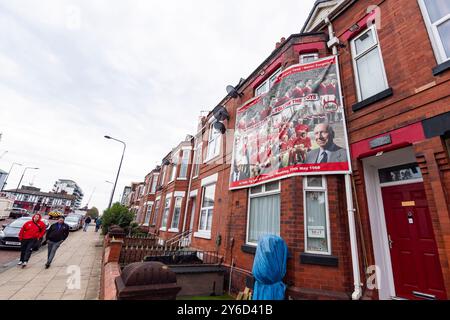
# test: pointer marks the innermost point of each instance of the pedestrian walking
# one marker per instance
(86, 223)
(29, 235)
(57, 233)
(98, 224)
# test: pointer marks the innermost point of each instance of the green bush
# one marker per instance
(117, 215)
(93, 212)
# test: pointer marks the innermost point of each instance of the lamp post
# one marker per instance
(23, 173)
(118, 171)
(9, 172)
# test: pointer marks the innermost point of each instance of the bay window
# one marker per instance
(264, 212)
(436, 14)
(154, 183)
(155, 215)
(184, 163)
(213, 142)
(308, 57)
(267, 84)
(176, 214)
(165, 216)
(148, 213)
(174, 166)
(207, 209)
(317, 230)
(197, 159)
(368, 64)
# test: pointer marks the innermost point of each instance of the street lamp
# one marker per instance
(23, 175)
(9, 172)
(118, 171)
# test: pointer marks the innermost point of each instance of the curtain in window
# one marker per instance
(264, 217)
(370, 73)
(316, 221)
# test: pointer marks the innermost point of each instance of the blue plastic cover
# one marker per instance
(269, 268)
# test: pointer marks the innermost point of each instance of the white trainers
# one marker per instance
(19, 263)
(24, 264)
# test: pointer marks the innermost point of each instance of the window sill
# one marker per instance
(378, 97)
(203, 235)
(440, 68)
(318, 259)
(173, 230)
(163, 229)
(247, 248)
(181, 178)
(212, 158)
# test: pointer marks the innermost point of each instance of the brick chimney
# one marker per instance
(279, 44)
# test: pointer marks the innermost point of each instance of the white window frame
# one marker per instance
(433, 33)
(217, 144)
(188, 153)
(154, 184)
(197, 159)
(323, 188)
(205, 233)
(155, 214)
(148, 213)
(261, 194)
(174, 166)
(163, 177)
(356, 57)
(304, 56)
(164, 217)
(176, 228)
(269, 82)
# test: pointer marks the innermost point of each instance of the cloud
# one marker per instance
(141, 71)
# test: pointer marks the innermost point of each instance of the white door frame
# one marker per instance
(386, 287)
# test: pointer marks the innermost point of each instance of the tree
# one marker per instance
(117, 215)
(93, 212)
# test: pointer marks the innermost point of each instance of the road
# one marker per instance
(7, 255)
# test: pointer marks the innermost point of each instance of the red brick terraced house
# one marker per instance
(136, 194)
(148, 198)
(394, 61)
(169, 189)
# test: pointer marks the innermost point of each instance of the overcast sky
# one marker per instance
(140, 71)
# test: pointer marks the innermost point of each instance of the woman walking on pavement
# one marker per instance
(30, 233)
(86, 223)
(57, 233)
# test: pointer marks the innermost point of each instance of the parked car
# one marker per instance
(9, 236)
(19, 213)
(74, 221)
(55, 214)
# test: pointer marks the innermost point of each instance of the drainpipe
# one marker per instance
(357, 292)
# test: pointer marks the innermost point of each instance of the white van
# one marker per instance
(6, 204)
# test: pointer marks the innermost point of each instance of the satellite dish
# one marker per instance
(165, 162)
(219, 126)
(232, 92)
(220, 113)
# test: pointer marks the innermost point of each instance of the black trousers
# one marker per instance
(26, 249)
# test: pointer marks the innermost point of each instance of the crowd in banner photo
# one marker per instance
(298, 127)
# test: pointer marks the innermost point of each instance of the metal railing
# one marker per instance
(181, 240)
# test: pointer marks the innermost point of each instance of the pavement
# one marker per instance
(73, 275)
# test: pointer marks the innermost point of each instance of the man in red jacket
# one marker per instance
(30, 233)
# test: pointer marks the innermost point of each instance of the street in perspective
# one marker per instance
(225, 151)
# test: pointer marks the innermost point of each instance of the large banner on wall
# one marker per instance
(297, 128)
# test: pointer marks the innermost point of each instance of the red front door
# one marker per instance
(414, 254)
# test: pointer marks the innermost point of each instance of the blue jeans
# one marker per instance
(86, 225)
(52, 247)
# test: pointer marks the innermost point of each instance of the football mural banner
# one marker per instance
(296, 128)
